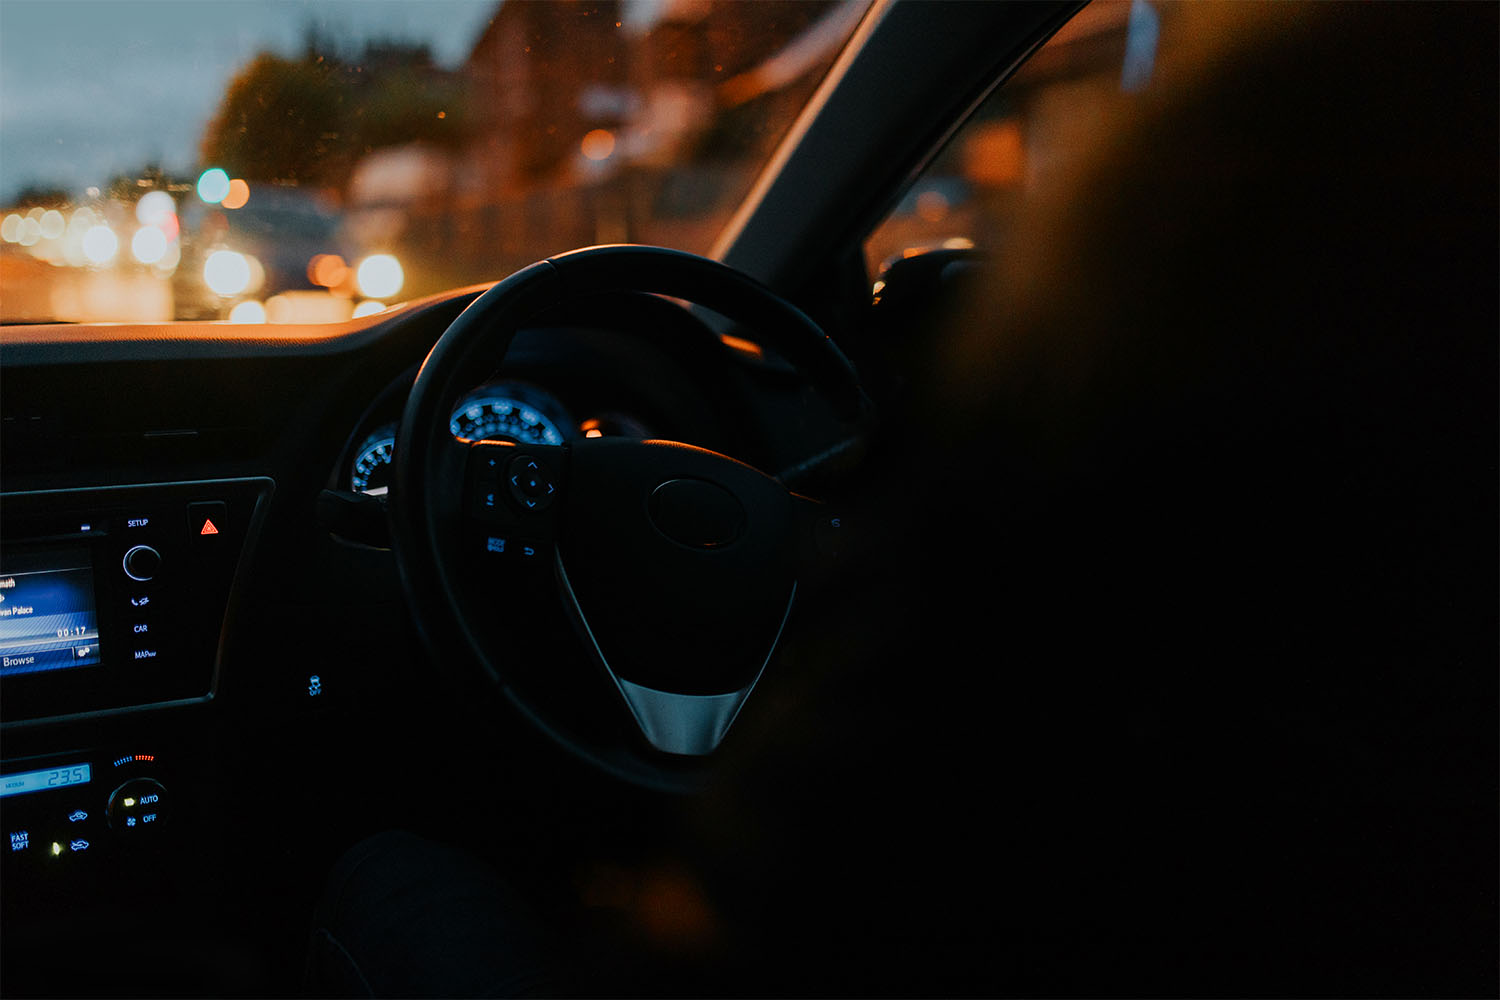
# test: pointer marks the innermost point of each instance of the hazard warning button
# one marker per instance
(207, 518)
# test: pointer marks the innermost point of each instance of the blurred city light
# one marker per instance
(10, 229)
(154, 207)
(368, 307)
(249, 311)
(52, 224)
(306, 306)
(226, 272)
(237, 195)
(932, 205)
(379, 276)
(327, 269)
(213, 185)
(100, 244)
(148, 245)
(599, 144)
(170, 258)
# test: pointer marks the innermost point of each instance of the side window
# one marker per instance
(969, 194)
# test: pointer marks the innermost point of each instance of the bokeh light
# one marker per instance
(379, 276)
(154, 207)
(237, 195)
(249, 311)
(368, 307)
(327, 270)
(10, 229)
(52, 224)
(148, 245)
(100, 244)
(599, 144)
(171, 258)
(213, 185)
(226, 272)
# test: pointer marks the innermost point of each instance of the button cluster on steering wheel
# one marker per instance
(511, 494)
(531, 483)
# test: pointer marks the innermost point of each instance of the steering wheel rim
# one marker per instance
(428, 515)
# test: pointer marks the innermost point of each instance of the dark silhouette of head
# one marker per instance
(1173, 655)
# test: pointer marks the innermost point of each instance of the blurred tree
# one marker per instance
(131, 185)
(37, 196)
(308, 120)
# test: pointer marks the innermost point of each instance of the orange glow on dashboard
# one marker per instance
(742, 345)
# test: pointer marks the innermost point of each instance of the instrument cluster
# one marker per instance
(505, 410)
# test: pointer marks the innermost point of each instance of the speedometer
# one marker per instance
(488, 414)
(507, 411)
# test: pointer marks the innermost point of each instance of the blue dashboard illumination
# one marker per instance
(41, 781)
(507, 411)
(47, 615)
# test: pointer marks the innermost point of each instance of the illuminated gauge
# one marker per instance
(372, 462)
(512, 412)
(502, 411)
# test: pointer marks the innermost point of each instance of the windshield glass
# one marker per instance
(307, 162)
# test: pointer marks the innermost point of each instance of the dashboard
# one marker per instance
(196, 648)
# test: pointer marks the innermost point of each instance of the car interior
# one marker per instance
(1109, 609)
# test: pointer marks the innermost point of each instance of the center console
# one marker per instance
(113, 599)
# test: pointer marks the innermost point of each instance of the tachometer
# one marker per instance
(509, 411)
(372, 462)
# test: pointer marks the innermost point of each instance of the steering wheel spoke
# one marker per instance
(511, 500)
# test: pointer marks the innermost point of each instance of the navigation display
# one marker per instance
(47, 616)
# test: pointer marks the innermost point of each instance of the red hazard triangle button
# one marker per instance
(207, 518)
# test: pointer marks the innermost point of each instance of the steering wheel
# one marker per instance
(677, 566)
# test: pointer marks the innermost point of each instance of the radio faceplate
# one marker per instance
(115, 598)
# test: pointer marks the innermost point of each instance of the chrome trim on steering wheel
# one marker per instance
(691, 725)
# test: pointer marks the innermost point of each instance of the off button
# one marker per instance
(207, 518)
(138, 806)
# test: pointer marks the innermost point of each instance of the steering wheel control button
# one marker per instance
(513, 549)
(137, 807)
(208, 519)
(697, 513)
(141, 563)
(532, 484)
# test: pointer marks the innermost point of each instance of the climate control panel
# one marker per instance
(59, 811)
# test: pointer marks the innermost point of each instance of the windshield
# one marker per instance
(309, 162)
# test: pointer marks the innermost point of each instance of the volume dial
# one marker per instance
(142, 562)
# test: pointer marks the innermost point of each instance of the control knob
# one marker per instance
(138, 806)
(142, 562)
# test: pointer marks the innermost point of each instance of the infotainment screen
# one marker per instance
(48, 620)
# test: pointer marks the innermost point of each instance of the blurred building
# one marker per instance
(587, 126)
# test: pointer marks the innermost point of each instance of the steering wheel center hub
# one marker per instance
(697, 513)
